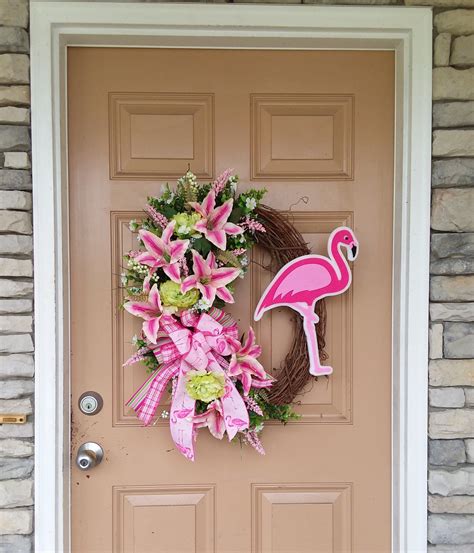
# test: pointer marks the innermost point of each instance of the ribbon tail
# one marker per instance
(262, 383)
(236, 416)
(181, 417)
(146, 399)
(234, 411)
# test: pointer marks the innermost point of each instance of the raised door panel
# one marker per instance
(126, 378)
(154, 135)
(324, 400)
(302, 136)
(155, 519)
(302, 518)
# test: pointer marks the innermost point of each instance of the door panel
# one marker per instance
(151, 134)
(316, 129)
(154, 519)
(282, 514)
(302, 136)
(326, 399)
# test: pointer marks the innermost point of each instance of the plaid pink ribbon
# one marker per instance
(180, 349)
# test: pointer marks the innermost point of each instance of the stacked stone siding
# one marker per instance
(451, 371)
(16, 286)
(451, 366)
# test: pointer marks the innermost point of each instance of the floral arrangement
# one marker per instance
(194, 245)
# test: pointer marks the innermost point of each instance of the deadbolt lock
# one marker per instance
(90, 403)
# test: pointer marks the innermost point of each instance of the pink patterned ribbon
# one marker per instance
(180, 349)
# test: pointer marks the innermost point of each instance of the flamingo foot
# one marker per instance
(322, 370)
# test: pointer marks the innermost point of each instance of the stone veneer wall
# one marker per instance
(16, 284)
(451, 370)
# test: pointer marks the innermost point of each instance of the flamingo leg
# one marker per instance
(309, 320)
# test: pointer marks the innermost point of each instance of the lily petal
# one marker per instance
(154, 298)
(150, 329)
(233, 343)
(246, 380)
(255, 351)
(216, 425)
(213, 419)
(197, 207)
(250, 365)
(189, 283)
(208, 292)
(233, 369)
(140, 309)
(224, 294)
(148, 259)
(249, 341)
(230, 228)
(223, 276)
(154, 244)
(200, 267)
(168, 231)
(220, 215)
(177, 249)
(216, 237)
(173, 272)
(209, 202)
(211, 260)
(201, 226)
(146, 282)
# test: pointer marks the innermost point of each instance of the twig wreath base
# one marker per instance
(284, 242)
(193, 245)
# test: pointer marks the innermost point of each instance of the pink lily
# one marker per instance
(163, 252)
(210, 280)
(151, 311)
(213, 223)
(212, 418)
(244, 365)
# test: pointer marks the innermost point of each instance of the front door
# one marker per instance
(316, 129)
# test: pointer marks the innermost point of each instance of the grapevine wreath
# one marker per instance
(194, 245)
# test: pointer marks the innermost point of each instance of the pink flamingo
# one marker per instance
(307, 279)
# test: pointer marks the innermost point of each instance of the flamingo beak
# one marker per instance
(353, 251)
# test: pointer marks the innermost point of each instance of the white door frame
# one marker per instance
(407, 31)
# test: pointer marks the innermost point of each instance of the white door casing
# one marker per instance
(407, 31)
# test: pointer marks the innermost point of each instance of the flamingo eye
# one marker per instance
(346, 238)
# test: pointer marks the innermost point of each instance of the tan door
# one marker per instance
(316, 129)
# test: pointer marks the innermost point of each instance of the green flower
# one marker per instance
(205, 386)
(185, 223)
(171, 295)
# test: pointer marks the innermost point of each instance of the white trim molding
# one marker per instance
(407, 31)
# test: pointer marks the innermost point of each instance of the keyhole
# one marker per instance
(84, 463)
(90, 403)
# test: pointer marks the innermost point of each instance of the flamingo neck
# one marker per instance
(340, 263)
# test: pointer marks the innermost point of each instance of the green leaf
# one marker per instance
(168, 211)
(236, 215)
(203, 246)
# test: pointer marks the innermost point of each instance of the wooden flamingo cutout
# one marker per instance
(307, 279)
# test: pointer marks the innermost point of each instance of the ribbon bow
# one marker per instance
(179, 350)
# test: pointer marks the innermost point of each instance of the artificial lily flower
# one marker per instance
(213, 223)
(244, 364)
(212, 418)
(210, 280)
(151, 311)
(163, 252)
